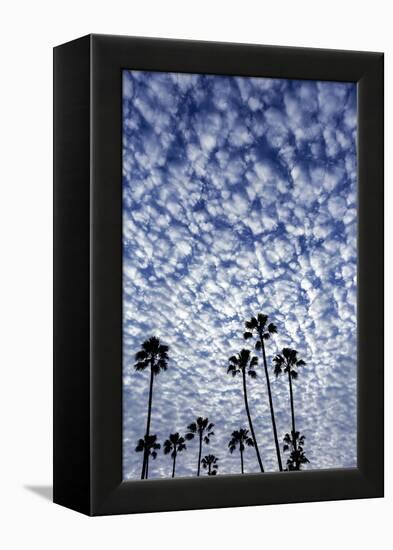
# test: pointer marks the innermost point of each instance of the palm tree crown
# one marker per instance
(209, 462)
(174, 444)
(149, 446)
(240, 438)
(295, 444)
(148, 443)
(259, 325)
(153, 354)
(243, 362)
(287, 361)
(201, 426)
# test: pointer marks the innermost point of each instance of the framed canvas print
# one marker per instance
(218, 275)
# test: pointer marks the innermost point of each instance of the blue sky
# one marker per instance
(239, 197)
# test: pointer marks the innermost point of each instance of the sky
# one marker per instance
(239, 198)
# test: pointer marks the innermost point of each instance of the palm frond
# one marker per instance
(272, 328)
(192, 427)
(141, 365)
(252, 323)
(141, 355)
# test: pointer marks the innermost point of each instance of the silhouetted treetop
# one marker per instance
(209, 462)
(259, 326)
(240, 438)
(287, 361)
(149, 445)
(153, 354)
(175, 443)
(243, 362)
(201, 426)
(295, 444)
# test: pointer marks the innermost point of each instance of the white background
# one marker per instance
(28, 31)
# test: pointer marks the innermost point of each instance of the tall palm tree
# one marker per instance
(149, 446)
(240, 438)
(258, 326)
(210, 462)
(288, 362)
(153, 355)
(240, 364)
(204, 430)
(174, 445)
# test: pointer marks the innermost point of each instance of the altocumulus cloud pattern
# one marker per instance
(239, 197)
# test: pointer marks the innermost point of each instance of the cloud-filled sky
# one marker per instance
(239, 197)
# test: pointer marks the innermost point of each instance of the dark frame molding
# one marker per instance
(88, 275)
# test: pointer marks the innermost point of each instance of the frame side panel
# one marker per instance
(71, 317)
(371, 277)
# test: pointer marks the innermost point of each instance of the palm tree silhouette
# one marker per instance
(204, 430)
(239, 364)
(288, 361)
(154, 355)
(297, 456)
(174, 445)
(258, 326)
(149, 446)
(210, 462)
(241, 438)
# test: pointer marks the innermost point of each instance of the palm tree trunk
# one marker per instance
(174, 463)
(210, 469)
(241, 461)
(249, 420)
(146, 453)
(200, 454)
(271, 405)
(293, 415)
(147, 469)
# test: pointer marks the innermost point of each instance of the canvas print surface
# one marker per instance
(239, 275)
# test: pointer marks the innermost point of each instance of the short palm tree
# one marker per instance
(257, 326)
(149, 446)
(209, 462)
(288, 362)
(297, 456)
(240, 364)
(204, 430)
(153, 355)
(240, 438)
(174, 445)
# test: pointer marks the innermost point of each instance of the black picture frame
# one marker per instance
(88, 275)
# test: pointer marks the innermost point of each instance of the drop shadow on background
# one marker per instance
(44, 491)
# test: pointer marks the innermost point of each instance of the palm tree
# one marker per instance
(154, 355)
(288, 361)
(258, 326)
(239, 364)
(210, 462)
(149, 446)
(297, 456)
(174, 445)
(241, 438)
(204, 430)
